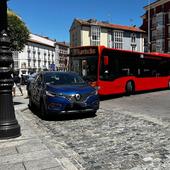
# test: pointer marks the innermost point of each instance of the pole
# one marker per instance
(149, 26)
(9, 127)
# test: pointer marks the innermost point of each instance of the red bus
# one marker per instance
(117, 71)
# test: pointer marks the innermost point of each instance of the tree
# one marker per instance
(17, 31)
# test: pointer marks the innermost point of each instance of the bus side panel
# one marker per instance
(116, 86)
(150, 83)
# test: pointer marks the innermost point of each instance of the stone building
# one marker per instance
(62, 54)
(156, 22)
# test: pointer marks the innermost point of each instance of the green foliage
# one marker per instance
(17, 31)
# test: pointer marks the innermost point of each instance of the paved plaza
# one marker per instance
(117, 138)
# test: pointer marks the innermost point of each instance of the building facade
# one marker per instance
(156, 22)
(63, 51)
(40, 53)
(92, 32)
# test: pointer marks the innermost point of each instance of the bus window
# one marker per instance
(85, 66)
(109, 67)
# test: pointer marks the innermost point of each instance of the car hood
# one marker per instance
(67, 89)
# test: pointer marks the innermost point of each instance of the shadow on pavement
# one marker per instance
(63, 117)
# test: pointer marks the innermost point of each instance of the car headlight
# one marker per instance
(52, 94)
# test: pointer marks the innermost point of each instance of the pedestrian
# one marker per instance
(17, 83)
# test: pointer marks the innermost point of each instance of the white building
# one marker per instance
(40, 53)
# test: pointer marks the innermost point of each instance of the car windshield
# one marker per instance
(64, 79)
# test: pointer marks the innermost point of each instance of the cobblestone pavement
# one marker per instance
(112, 140)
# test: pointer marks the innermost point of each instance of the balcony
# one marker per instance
(169, 50)
(160, 36)
(169, 35)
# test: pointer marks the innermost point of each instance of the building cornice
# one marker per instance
(108, 25)
(155, 4)
(40, 43)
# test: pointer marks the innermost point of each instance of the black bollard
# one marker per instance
(9, 127)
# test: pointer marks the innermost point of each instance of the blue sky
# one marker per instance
(53, 18)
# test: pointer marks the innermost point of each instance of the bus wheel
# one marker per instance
(169, 84)
(130, 88)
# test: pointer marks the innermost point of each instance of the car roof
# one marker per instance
(57, 72)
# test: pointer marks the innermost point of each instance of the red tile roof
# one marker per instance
(109, 25)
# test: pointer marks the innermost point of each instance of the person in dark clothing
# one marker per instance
(17, 83)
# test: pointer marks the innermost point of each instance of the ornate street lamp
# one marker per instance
(9, 127)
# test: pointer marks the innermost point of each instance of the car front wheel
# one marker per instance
(43, 111)
(31, 105)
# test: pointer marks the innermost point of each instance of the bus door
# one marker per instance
(110, 80)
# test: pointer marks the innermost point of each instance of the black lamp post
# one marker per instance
(9, 127)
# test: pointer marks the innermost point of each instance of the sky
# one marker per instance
(53, 18)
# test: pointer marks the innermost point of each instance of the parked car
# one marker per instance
(62, 92)
(24, 79)
(29, 80)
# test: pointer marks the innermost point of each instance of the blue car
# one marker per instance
(62, 92)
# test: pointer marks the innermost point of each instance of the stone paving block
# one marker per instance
(31, 146)
(18, 158)
(45, 163)
(7, 151)
(18, 166)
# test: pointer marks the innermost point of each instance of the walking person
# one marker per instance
(17, 83)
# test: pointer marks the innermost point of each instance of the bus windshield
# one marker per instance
(86, 66)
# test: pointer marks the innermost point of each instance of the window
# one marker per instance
(39, 63)
(169, 46)
(85, 66)
(133, 38)
(109, 39)
(160, 19)
(153, 22)
(34, 65)
(118, 39)
(133, 47)
(154, 34)
(160, 45)
(29, 63)
(95, 35)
